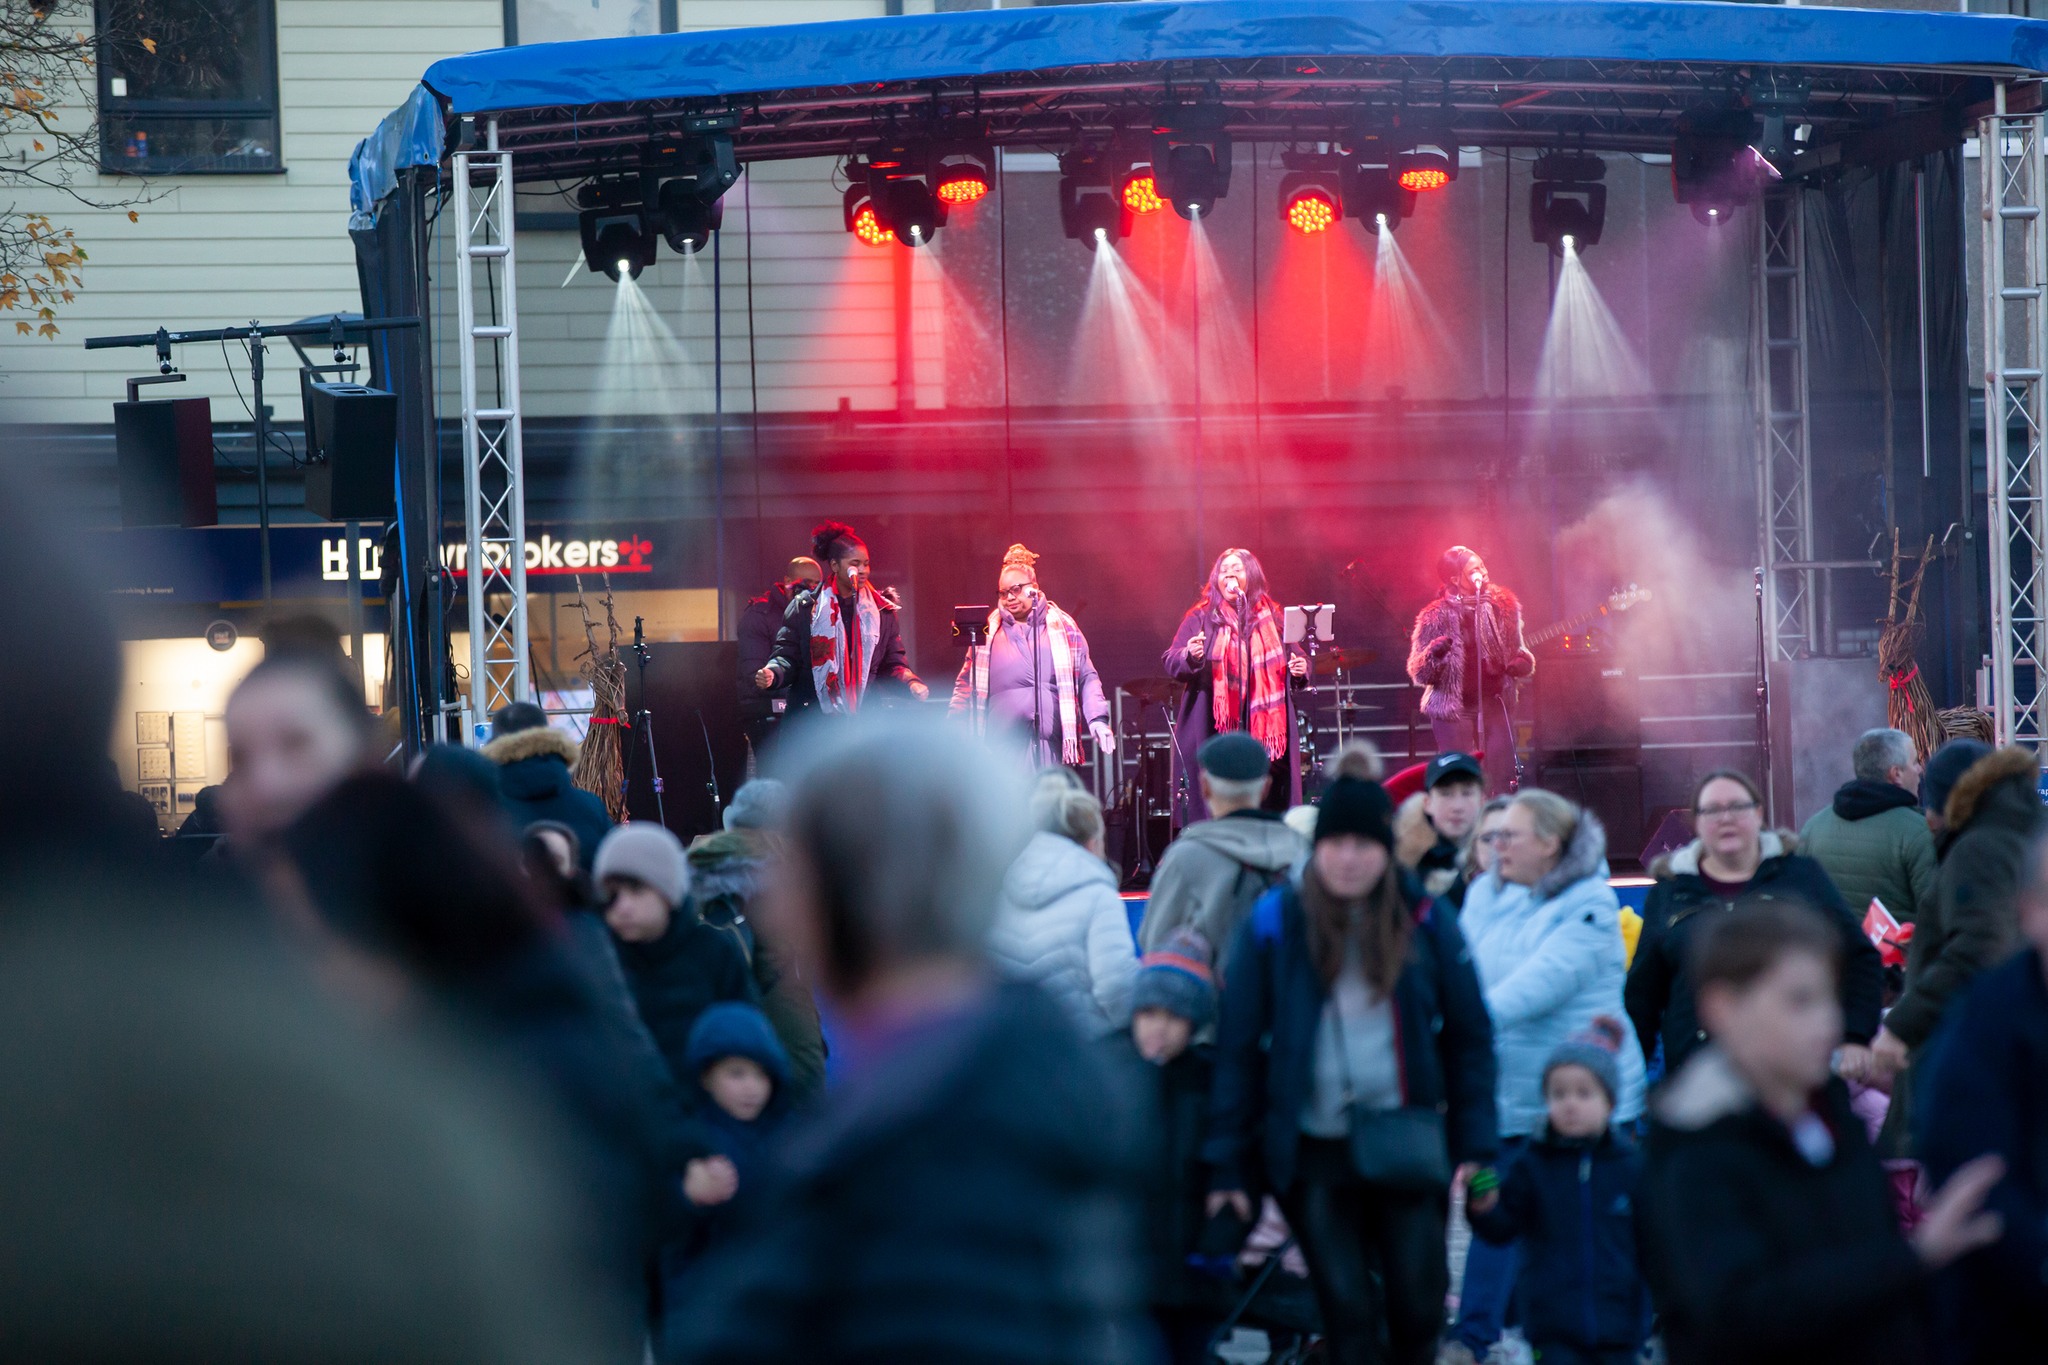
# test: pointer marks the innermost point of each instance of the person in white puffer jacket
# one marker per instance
(1060, 923)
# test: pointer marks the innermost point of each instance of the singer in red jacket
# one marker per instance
(1230, 650)
(1466, 645)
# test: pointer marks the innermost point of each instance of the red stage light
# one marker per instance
(963, 185)
(869, 228)
(1425, 178)
(1311, 211)
(1141, 194)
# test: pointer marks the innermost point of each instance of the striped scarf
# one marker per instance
(837, 694)
(1064, 636)
(1268, 682)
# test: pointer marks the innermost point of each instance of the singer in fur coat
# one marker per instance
(1440, 657)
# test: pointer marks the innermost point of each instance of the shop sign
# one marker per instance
(222, 635)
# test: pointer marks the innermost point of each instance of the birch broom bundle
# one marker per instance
(1908, 705)
(601, 767)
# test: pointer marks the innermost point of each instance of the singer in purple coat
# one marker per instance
(1240, 675)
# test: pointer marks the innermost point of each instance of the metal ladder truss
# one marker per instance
(493, 481)
(1785, 455)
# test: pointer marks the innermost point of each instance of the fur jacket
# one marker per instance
(1436, 649)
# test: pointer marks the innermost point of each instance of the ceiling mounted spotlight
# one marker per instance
(1311, 201)
(1140, 191)
(899, 186)
(911, 210)
(1374, 197)
(861, 219)
(1098, 187)
(1191, 157)
(1715, 170)
(963, 177)
(613, 225)
(1567, 202)
(682, 181)
(1426, 166)
(687, 221)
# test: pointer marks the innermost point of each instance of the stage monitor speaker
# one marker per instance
(1609, 783)
(164, 451)
(1819, 709)
(1587, 701)
(351, 446)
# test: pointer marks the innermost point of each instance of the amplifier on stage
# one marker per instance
(1587, 701)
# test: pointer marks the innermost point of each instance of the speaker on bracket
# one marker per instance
(351, 446)
(164, 451)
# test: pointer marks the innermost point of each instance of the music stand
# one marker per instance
(970, 623)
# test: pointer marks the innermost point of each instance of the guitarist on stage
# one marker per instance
(1466, 645)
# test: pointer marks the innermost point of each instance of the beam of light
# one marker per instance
(1585, 354)
(1115, 359)
(1406, 343)
(1225, 349)
(638, 443)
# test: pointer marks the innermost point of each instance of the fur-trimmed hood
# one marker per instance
(1413, 834)
(544, 740)
(1972, 791)
(1585, 855)
(724, 864)
(1685, 862)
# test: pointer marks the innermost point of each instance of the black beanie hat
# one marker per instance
(1354, 805)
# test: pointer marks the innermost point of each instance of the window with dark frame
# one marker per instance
(567, 21)
(188, 87)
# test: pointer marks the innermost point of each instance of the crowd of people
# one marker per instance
(440, 1065)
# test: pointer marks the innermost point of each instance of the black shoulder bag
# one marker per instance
(1401, 1149)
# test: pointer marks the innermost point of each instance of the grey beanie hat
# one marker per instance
(1595, 1051)
(647, 853)
(758, 804)
(1177, 977)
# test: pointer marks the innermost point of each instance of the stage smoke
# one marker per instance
(1225, 346)
(1406, 342)
(1699, 616)
(1116, 350)
(647, 379)
(1585, 355)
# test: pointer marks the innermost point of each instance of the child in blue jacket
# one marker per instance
(1569, 1198)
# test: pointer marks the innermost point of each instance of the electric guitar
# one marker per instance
(1620, 600)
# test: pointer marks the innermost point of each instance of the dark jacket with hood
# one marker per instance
(533, 775)
(1993, 813)
(1660, 987)
(1178, 1188)
(724, 876)
(1571, 1204)
(1273, 1005)
(1986, 1091)
(760, 621)
(970, 1195)
(889, 663)
(677, 976)
(1210, 876)
(1754, 1253)
(1873, 841)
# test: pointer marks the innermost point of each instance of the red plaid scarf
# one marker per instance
(1268, 681)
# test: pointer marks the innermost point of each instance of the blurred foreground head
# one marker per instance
(900, 828)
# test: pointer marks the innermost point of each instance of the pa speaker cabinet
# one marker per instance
(1587, 701)
(164, 451)
(352, 439)
(1819, 708)
(1608, 782)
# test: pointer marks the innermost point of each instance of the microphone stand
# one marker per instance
(643, 726)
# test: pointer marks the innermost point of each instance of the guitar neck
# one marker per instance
(1565, 627)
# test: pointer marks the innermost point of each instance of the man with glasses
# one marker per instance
(1034, 675)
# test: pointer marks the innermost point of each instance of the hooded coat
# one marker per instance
(1441, 670)
(534, 778)
(1550, 959)
(1756, 1254)
(1210, 876)
(1061, 925)
(725, 875)
(1874, 843)
(1993, 814)
(970, 1195)
(1659, 993)
(678, 976)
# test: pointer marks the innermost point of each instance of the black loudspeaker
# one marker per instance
(696, 729)
(1587, 701)
(351, 443)
(1609, 783)
(165, 454)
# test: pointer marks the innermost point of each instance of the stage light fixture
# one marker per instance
(1140, 191)
(1095, 195)
(1425, 166)
(1714, 168)
(1374, 197)
(1567, 202)
(687, 221)
(1191, 157)
(861, 219)
(962, 178)
(1310, 202)
(613, 225)
(911, 210)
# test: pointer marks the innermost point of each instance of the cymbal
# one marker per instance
(1335, 660)
(1350, 706)
(1164, 691)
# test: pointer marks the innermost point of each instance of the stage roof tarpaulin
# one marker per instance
(1612, 74)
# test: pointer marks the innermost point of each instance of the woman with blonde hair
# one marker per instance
(1034, 674)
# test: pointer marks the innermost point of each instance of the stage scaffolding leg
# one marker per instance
(2013, 166)
(493, 479)
(1785, 455)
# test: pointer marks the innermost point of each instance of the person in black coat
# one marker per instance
(1985, 1091)
(1736, 862)
(1320, 1020)
(970, 1189)
(533, 761)
(1768, 1231)
(677, 965)
(839, 638)
(1569, 1199)
(761, 709)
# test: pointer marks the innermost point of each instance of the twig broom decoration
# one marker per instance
(601, 767)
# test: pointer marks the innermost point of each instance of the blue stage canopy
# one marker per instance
(1601, 74)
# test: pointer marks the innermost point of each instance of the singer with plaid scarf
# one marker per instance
(1240, 675)
(1034, 675)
